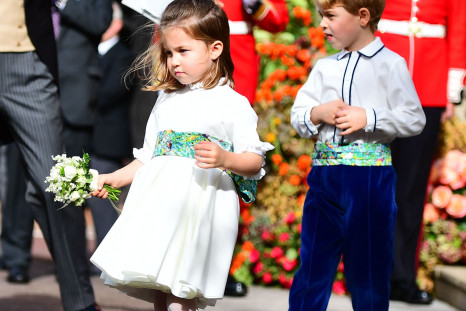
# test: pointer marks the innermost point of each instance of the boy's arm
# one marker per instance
(305, 101)
(404, 117)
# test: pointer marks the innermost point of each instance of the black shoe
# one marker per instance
(18, 275)
(410, 294)
(234, 288)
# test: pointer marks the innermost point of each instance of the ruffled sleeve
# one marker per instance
(145, 153)
(243, 132)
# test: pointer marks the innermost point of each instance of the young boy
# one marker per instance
(356, 102)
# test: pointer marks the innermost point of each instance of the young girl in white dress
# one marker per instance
(173, 243)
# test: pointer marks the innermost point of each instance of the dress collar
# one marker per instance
(369, 50)
(200, 85)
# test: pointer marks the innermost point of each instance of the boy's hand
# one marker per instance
(209, 155)
(327, 112)
(350, 119)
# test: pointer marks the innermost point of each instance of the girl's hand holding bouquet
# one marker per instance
(72, 181)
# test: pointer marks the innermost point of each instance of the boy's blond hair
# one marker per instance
(375, 8)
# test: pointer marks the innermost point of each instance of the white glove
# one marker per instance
(455, 84)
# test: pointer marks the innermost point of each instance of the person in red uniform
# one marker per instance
(431, 36)
(270, 15)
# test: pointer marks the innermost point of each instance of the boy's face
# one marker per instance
(342, 29)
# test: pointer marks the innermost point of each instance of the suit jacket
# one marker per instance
(82, 24)
(40, 30)
(111, 137)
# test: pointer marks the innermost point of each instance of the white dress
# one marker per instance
(179, 223)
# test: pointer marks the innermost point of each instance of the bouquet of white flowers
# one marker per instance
(72, 181)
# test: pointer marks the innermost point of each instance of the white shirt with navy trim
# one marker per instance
(374, 78)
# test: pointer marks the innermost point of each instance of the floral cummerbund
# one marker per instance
(182, 144)
(354, 154)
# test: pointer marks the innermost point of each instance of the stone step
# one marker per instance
(450, 285)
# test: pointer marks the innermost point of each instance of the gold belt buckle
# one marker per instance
(414, 28)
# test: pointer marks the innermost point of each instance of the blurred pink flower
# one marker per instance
(431, 214)
(339, 288)
(267, 278)
(276, 252)
(457, 206)
(441, 196)
(283, 237)
(289, 265)
(258, 268)
(254, 256)
(290, 218)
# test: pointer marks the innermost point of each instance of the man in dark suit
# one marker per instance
(111, 138)
(30, 115)
(82, 23)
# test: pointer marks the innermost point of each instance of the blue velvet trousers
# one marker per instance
(349, 211)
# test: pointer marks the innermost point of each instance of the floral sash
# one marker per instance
(182, 144)
(355, 154)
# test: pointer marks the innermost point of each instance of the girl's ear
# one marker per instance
(364, 16)
(216, 49)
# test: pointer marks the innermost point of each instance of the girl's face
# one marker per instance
(188, 60)
(342, 29)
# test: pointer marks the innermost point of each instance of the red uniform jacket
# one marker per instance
(271, 16)
(434, 61)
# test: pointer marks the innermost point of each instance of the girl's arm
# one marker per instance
(210, 155)
(120, 178)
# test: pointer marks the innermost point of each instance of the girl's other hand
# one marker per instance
(209, 155)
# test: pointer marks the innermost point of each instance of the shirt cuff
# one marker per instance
(311, 127)
(371, 118)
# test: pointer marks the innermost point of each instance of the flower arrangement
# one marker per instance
(444, 217)
(268, 247)
(72, 181)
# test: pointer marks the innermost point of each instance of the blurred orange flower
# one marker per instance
(277, 159)
(283, 169)
(295, 180)
(304, 162)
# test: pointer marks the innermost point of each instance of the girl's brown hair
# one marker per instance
(375, 8)
(200, 19)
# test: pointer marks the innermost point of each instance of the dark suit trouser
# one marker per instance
(412, 159)
(17, 220)
(349, 211)
(29, 99)
(103, 213)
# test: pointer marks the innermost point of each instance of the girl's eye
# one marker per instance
(183, 50)
(168, 53)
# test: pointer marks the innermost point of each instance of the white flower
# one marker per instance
(70, 172)
(95, 176)
(54, 173)
(81, 181)
(75, 196)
